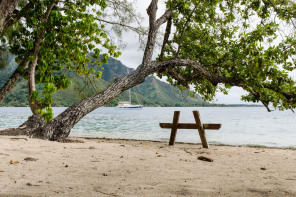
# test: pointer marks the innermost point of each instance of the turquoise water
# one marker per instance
(240, 126)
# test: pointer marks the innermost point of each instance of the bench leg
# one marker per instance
(200, 129)
(174, 128)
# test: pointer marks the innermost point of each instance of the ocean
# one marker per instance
(240, 125)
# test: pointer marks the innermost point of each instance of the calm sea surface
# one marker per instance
(240, 126)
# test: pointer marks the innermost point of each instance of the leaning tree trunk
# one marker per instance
(6, 10)
(59, 128)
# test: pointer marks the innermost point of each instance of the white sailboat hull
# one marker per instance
(126, 106)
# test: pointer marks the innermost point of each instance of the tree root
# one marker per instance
(15, 131)
(26, 128)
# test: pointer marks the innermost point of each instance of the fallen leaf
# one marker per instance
(13, 162)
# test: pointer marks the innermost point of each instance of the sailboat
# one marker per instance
(128, 104)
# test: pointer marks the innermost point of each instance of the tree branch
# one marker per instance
(123, 25)
(153, 28)
(183, 30)
(166, 37)
(164, 18)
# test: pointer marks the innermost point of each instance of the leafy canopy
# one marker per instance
(251, 43)
(71, 34)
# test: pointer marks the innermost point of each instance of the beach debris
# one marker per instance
(121, 156)
(4, 154)
(19, 138)
(156, 153)
(104, 174)
(203, 158)
(122, 145)
(263, 168)
(263, 151)
(30, 184)
(13, 162)
(71, 141)
(186, 151)
(30, 159)
(92, 147)
(66, 166)
(2, 171)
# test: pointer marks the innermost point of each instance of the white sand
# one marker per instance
(100, 167)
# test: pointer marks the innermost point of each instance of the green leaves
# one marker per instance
(238, 40)
(71, 35)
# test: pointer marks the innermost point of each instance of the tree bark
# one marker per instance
(34, 104)
(6, 10)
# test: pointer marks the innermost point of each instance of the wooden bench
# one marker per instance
(197, 125)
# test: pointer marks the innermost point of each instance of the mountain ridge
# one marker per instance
(152, 92)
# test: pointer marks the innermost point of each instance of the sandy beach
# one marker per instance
(102, 167)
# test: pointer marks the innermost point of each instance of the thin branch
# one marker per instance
(183, 30)
(139, 31)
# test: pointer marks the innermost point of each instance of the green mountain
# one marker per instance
(152, 92)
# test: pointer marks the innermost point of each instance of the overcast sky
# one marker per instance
(132, 55)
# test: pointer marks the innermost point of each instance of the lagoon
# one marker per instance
(240, 125)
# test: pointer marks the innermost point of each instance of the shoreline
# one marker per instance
(218, 144)
(109, 167)
(191, 143)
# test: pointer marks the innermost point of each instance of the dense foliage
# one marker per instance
(69, 34)
(250, 44)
